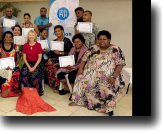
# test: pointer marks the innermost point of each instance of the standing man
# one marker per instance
(90, 38)
(42, 21)
(8, 16)
(79, 11)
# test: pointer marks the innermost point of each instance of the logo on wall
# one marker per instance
(63, 13)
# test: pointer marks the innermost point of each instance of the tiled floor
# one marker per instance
(60, 103)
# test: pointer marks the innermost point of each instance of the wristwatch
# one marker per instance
(113, 77)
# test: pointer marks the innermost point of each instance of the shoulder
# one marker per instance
(38, 44)
(95, 25)
(37, 18)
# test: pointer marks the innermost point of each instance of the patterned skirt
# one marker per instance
(33, 79)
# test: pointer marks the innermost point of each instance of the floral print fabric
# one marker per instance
(92, 88)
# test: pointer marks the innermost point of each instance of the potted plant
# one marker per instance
(14, 9)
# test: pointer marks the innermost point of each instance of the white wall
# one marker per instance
(112, 15)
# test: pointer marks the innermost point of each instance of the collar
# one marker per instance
(45, 17)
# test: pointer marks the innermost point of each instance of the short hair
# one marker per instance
(17, 26)
(41, 30)
(59, 26)
(78, 36)
(88, 11)
(79, 8)
(32, 31)
(43, 8)
(9, 8)
(104, 32)
(27, 15)
(7, 32)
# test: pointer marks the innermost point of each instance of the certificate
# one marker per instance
(44, 44)
(8, 23)
(70, 23)
(5, 62)
(85, 27)
(64, 61)
(57, 45)
(19, 40)
(26, 30)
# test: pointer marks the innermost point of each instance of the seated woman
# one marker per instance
(78, 51)
(9, 86)
(43, 36)
(53, 62)
(32, 72)
(28, 24)
(99, 80)
(17, 31)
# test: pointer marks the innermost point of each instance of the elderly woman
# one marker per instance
(53, 62)
(98, 80)
(9, 85)
(78, 51)
(32, 72)
(28, 24)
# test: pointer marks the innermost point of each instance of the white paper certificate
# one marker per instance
(85, 27)
(19, 40)
(57, 45)
(64, 61)
(44, 44)
(8, 22)
(5, 62)
(26, 30)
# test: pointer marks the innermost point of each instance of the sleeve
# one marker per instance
(17, 22)
(96, 31)
(48, 49)
(24, 49)
(67, 46)
(119, 56)
(40, 51)
(36, 22)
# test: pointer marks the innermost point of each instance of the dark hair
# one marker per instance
(19, 28)
(79, 8)
(43, 8)
(79, 36)
(59, 26)
(7, 32)
(104, 32)
(88, 11)
(41, 30)
(27, 15)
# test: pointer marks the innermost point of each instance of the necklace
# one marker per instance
(31, 47)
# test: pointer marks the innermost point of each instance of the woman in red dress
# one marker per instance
(8, 49)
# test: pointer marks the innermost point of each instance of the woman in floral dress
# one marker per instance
(8, 49)
(99, 80)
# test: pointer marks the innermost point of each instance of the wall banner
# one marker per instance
(62, 13)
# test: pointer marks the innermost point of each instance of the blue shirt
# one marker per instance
(7, 28)
(39, 21)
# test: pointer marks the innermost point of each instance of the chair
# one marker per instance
(69, 85)
(127, 74)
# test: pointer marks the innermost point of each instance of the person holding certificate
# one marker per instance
(17, 31)
(8, 21)
(78, 51)
(32, 72)
(28, 24)
(99, 78)
(8, 49)
(89, 36)
(53, 62)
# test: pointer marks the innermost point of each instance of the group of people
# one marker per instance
(96, 78)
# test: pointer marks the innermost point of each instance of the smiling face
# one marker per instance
(104, 42)
(17, 31)
(26, 19)
(59, 32)
(78, 43)
(44, 34)
(8, 38)
(31, 37)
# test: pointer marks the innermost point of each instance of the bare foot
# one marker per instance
(56, 91)
(72, 104)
